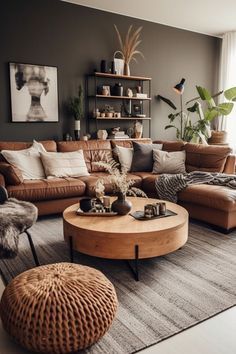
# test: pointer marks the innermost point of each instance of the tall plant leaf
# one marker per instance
(230, 94)
(225, 108)
(204, 93)
(166, 100)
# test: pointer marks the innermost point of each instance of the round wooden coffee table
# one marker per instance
(123, 237)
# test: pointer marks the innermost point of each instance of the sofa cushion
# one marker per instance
(47, 189)
(168, 162)
(129, 143)
(125, 156)
(64, 164)
(143, 156)
(49, 145)
(91, 180)
(94, 151)
(27, 160)
(215, 197)
(201, 157)
(12, 174)
(148, 184)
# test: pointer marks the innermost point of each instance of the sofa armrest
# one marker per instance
(2, 180)
(230, 164)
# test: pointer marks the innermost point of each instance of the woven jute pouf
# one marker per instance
(58, 308)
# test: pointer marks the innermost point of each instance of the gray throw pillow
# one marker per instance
(169, 162)
(143, 157)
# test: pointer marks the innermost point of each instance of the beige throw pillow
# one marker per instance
(125, 156)
(27, 161)
(169, 162)
(64, 164)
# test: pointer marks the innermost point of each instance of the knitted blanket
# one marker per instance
(167, 186)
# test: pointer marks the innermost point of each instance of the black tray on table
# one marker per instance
(139, 215)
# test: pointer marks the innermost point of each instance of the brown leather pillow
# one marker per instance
(143, 157)
(11, 174)
(209, 158)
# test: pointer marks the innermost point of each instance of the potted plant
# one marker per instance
(205, 108)
(122, 186)
(76, 106)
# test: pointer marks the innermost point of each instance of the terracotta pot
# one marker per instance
(218, 137)
(121, 205)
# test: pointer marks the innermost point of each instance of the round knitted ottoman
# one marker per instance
(58, 308)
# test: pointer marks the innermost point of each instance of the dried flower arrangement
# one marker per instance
(118, 178)
(128, 47)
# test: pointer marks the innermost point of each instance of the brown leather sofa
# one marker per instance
(213, 204)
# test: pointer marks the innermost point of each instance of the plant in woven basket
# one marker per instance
(128, 46)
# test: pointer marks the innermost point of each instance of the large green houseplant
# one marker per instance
(206, 109)
(76, 106)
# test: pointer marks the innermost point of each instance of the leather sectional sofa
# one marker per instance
(213, 204)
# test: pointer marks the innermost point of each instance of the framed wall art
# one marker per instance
(34, 96)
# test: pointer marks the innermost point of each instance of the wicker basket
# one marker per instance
(58, 308)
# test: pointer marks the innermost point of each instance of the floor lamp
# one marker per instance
(179, 88)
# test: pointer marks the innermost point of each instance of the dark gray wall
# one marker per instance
(76, 38)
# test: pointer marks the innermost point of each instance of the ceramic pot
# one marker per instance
(121, 205)
(126, 69)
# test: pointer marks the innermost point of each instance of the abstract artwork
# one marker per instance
(34, 96)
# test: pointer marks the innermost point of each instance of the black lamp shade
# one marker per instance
(179, 88)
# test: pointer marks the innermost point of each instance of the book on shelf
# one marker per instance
(141, 95)
(112, 136)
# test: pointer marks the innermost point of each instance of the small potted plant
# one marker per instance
(109, 111)
(76, 106)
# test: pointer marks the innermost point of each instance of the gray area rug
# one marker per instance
(175, 292)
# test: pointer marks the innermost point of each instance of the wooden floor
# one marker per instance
(214, 336)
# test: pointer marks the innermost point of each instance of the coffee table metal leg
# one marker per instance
(135, 269)
(71, 249)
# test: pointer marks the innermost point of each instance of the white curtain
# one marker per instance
(227, 79)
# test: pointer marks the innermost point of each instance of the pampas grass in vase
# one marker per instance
(128, 47)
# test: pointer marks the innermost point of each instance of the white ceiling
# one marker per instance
(212, 17)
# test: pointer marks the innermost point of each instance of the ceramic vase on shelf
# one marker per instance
(126, 69)
(77, 129)
(121, 205)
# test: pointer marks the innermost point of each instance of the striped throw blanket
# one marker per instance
(167, 186)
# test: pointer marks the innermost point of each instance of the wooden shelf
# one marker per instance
(122, 97)
(124, 77)
(123, 118)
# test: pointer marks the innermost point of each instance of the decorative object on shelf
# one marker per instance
(106, 91)
(102, 134)
(67, 137)
(117, 114)
(116, 133)
(38, 79)
(200, 130)
(109, 111)
(127, 107)
(130, 132)
(139, 89)
(118, 89)
(137, 109)
(122, 186)
(103, 66)
(138, 130)
(118, 64)
(76, 106)
(113, 71)
(128, 47)
(129, 92)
